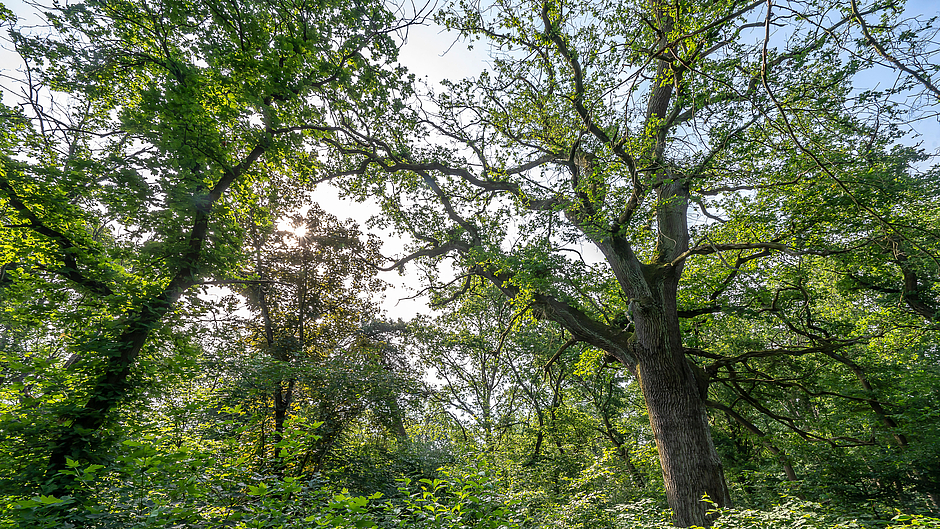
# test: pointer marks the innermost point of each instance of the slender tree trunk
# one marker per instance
(77, 439)
(282, 401)
(397, 420)
(615, 438)
(537, 449)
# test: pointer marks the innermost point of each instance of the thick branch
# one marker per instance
(716, 248)
(571, 341)
(580, 325)
(392, 164)
(764, 353)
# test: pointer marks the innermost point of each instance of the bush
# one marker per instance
(455, 501)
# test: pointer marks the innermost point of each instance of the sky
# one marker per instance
(432, 54)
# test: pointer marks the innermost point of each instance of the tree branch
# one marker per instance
(70, 269)
(923, 79)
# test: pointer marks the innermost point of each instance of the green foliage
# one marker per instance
(368, 460)
(785, 513)
(453, 501)
(157, 145)
(712, 189)
(161, 482)
(147, 133)
(907, 520)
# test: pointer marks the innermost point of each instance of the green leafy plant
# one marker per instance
(455, 500)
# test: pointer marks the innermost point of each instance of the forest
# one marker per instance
(679, 263)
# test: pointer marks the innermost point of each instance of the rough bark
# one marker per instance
(676, 406)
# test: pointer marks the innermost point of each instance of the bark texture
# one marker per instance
(675, 402)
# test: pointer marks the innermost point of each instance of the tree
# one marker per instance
(463, 350)
(502, 383)
(614, 146)
(311, 293)
(142, 132)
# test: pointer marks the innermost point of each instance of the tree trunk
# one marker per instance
(397, 420)
(676, 406)
(282, 401)
(77, 439)
(616, 439)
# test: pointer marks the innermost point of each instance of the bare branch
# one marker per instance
(920, 76)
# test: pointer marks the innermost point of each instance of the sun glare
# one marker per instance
(287, 226)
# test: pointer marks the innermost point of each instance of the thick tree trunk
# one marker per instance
(676, 406)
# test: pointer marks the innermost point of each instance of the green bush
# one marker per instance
(455, 501)
(155, 484)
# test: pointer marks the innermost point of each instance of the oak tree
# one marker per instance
(613, 147)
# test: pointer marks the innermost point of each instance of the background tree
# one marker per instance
(142, 132)
(536, 408)
(313, 289)
(463, 351)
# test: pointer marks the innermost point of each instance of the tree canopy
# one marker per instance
(727, 163)
(144, 133)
